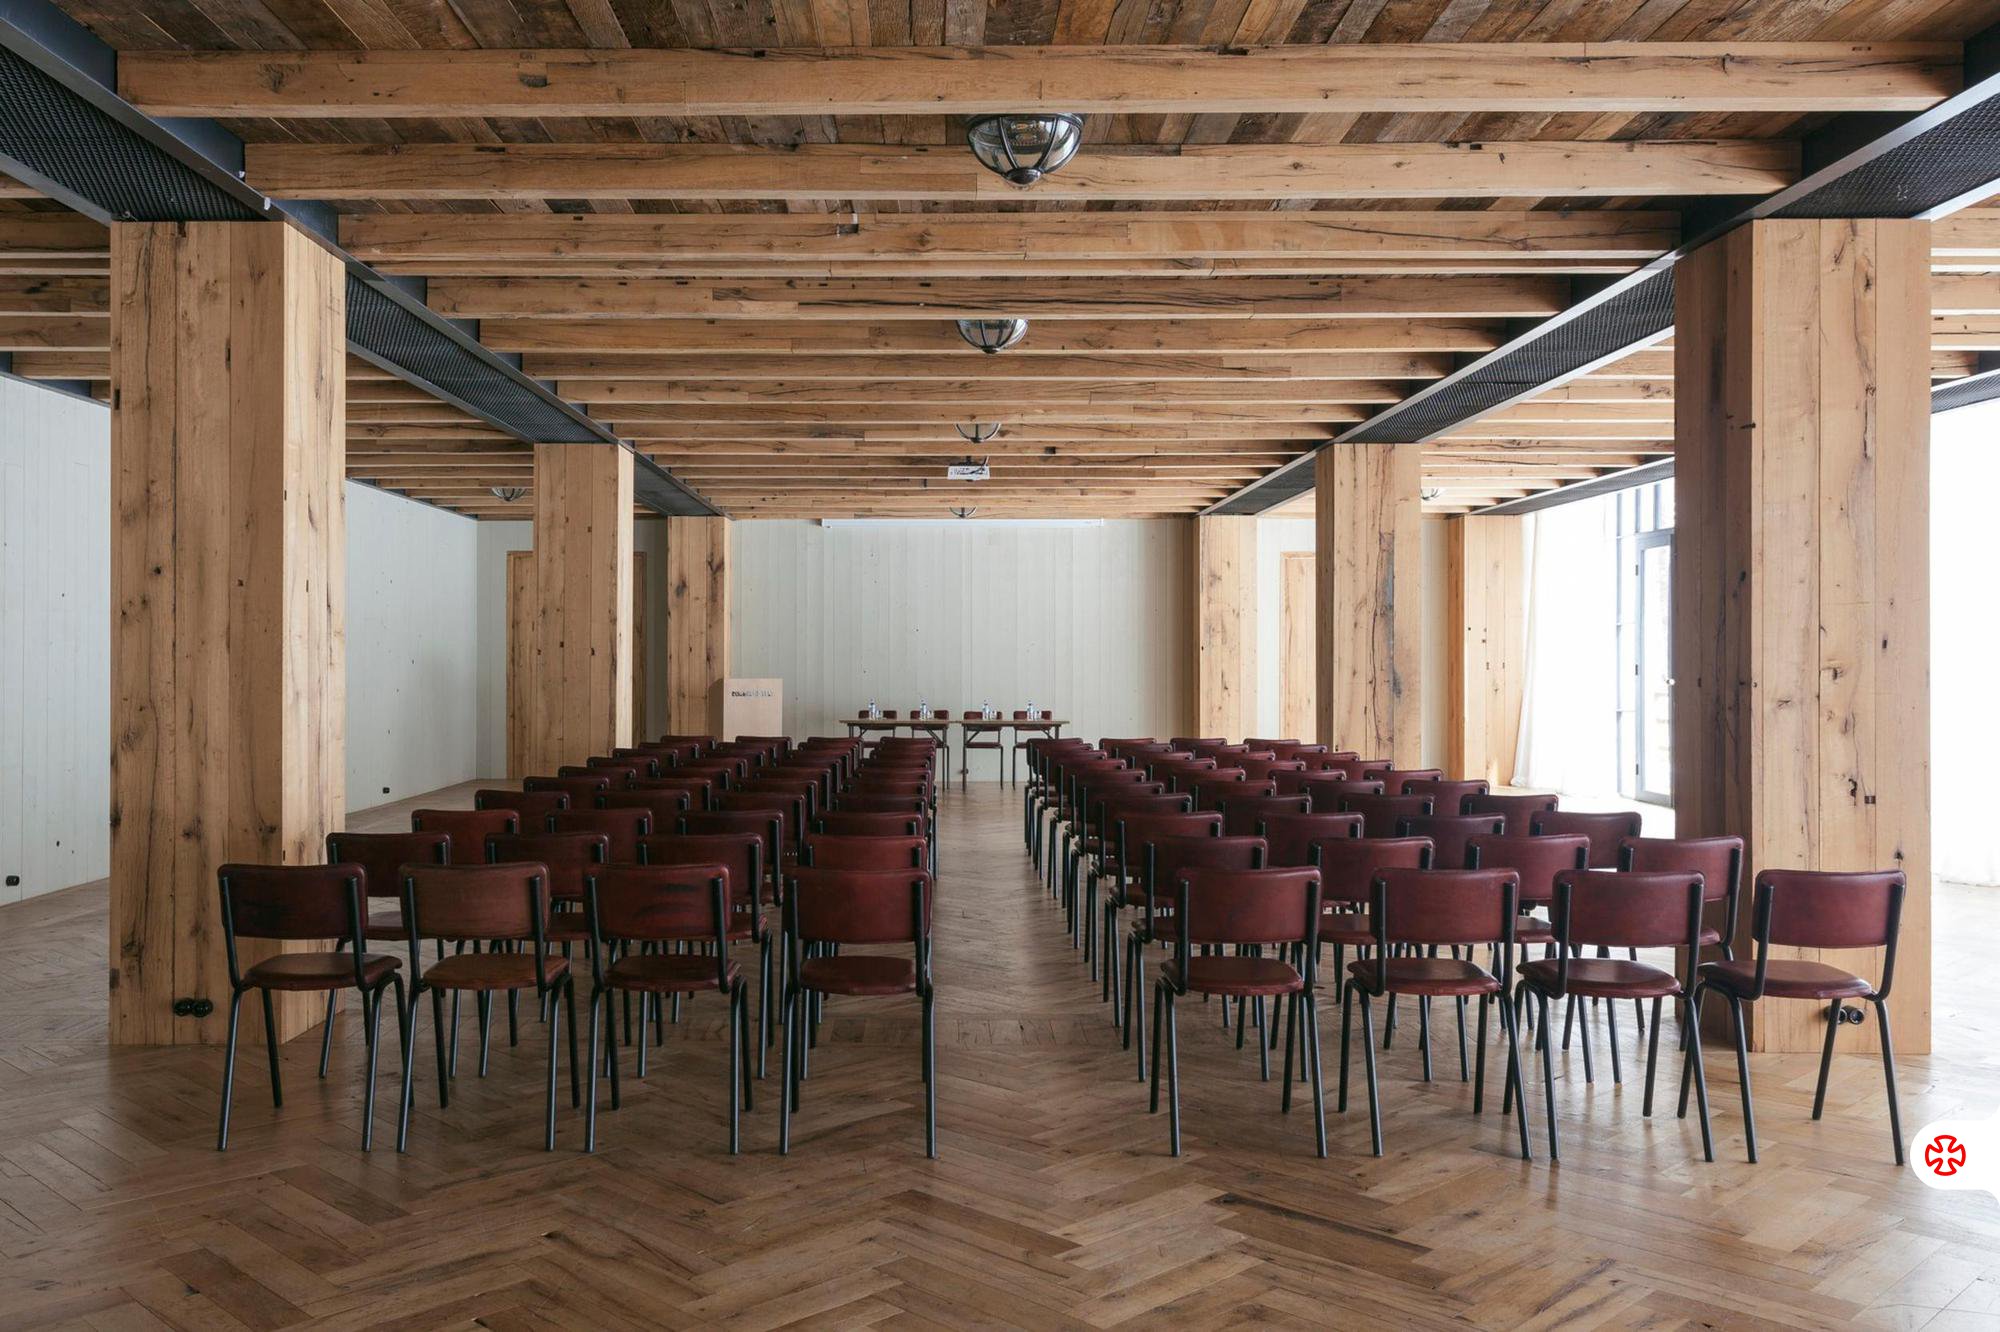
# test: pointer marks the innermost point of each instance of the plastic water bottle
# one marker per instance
(1031, 709)
(923, 709)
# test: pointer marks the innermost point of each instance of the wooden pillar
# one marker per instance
(1801, 571)
(1486, 620)
(1225, 627)
(581, 703)
(697, 624)
(228, 569)
(1370, 558)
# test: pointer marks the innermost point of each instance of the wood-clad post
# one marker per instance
(581, 702)
(1225, 627)
(697, 623)
(1801, 572)
(1487, 627)
(1370, 560)
(228, 579)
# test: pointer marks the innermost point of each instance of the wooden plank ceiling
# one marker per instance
(738, 232)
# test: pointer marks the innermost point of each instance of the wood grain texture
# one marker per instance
(697, 622)
(1486, 610)
(1369, 562)
(582, 695)
(228, 581)
(1801, 563)
(1226, 626)
(1298, 644)
(523, 601)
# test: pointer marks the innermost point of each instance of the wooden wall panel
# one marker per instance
(1298, 647)
(639, 643)
(1801, 570)
(522, 613)
(1226, 626)
(228, 704)
(581, 703)
(1486, 599)
(1370, 564)
(697, 611)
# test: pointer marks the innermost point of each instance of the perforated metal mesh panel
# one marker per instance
(1965, 392)
(1958, 157)
(57, 135)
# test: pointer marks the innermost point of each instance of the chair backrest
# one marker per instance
(1446, 797)
(1608, 909)
(1516, 809)
(1381, 815)
(1535, 861)
(661, 904)
(1261, 906)
(742, 852)
(859, 906)
(623, 827)
(833, 851)
(662, 807)
(1293, 780)
(506, 901)
(1392, 778)
(635, 765)
(565, 857)
(869, 802)
(1347, 865)
(620, 772)
(1291, 835)
(1328, 790)
(1829, 909)
(1210, 789)
(290, 901)
(1132, 832)
(767, 825)
(582, 791)
(1719, 861)
(1243, 815)
(1171, 857)
(1194, 743)
(1260, 769)
(1449, 834)
(788, 810)
(532, 806)
(700, 790)
(1445, 907)
(1606, 830)
(381, 856)
(1145, 799)
(847, 823)
(467, 828)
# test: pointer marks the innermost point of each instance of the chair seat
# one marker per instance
(492, 971)
(859, 973)
(1233, 975)
(319, 971)
(567, 927)
(386, 925)
(1352, 928)
(1710, 935)
(685, 972)
(1602, 978)
(1533, 930)
(1784, 979)
(1425, 975)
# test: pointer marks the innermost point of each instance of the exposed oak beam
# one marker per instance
(1016, 371)
(1300, 79)
(611, 395)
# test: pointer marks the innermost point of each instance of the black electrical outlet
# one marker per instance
(13, 881)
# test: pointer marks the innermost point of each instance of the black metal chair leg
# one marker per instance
(1459, 1003)
(931, 1076)
(271, 1048)
(1700, 1083)
(735, 1070)
(1424, 1032)
(1291, 1043)
(409, 1022)
(1826, 1056)
(1652, 1056)
(1743, 1075)
(575, 1073)
(229, 1069)
(1889, 1078)
(1318, 1081)
(555, 1041)
(444, 1067)
(1479, 1074)
(1549, 1084)
(1346, 1040)
(597, 1004)
(1173, 1071)
(326, 1031)
(1611, 1034)
(485, 1009)
(1368, 1060)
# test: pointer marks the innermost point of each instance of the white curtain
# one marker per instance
(1965, 643)
(1569, 735)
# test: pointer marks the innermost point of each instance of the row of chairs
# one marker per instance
(655, 876)
(935, 723)
(1153, 819)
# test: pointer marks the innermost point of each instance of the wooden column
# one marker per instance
(581, 703)
(1801, 571)
(1225, 627)
(1486, 618)
(1370, 558)
(697, 623)
(228, 568)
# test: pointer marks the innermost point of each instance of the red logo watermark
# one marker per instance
(1945, 1155)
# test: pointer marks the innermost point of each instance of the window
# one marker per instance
(1645, 548)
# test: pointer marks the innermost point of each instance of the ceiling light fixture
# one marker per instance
(978, 432)
(1021, 149)
(992, 335)
(508, 494)
(962, 513)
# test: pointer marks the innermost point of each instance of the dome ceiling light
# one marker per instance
(1021, 149)
(508, 494)
(978, 432)
(992, 335)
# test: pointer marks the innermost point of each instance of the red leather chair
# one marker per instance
(1607, 830)
(582, 788)
(751, 889)
(623, 826)
(1247, 909)
(467, 828)
(1292, 835)
(1821, 910)
(1133, 835)
(834, 851)
(1328, 790)
(532, 806)
(296, 903)
(1173, 857)
(846, 823)
(1244, 812)
(380, 857)
(1516, 809)
(1451, 833)
(1381, 815)
(1446, 797)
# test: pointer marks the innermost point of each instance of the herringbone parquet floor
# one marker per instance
(1055, 1202)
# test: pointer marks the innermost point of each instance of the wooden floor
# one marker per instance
(1055, 1202)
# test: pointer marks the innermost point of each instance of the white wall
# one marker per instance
(412, 647)
(411, 643)
(1275, 536)
(55, 640)
(1092, 622)
(495, 540)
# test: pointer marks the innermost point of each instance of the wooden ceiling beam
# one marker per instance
(60, 235)
(1034, 238)
(69, 333)
(813, 173)
(75, 296)
(1566, 77)
(1178, 337)
(1140, 444)
(855, 433)
(1014, 373)
(622, 417)
(608, 395)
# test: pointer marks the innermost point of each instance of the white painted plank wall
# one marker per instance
(1093, 622)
